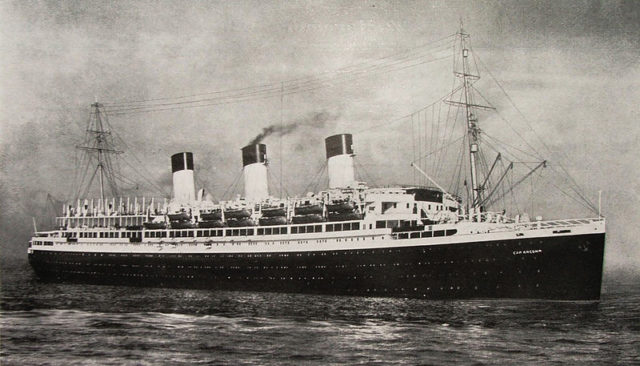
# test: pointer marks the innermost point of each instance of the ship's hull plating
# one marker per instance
(559, 268)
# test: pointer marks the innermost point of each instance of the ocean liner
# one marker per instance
(413, 241)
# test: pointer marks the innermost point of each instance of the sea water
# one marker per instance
(72, 324)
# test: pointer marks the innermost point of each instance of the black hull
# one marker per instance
(557, 268)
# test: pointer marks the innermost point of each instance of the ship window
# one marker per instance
(235, 232)
(283, 230)
(451, 232)
(426, 234)
(164, 234)
(249, 231)
(172, 234)
(328, 228)
(380, 224)
(146, 234)
(294, 230)
(199, 233)
(318, 228)
(267, 231)
(438, 233)
(302, 229)
(260, 231)
(407, 205)
(243, 232)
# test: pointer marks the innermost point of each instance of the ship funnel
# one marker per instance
(254, 160)
(182, 169)
(340, 161)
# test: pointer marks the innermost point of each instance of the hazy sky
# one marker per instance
(572, 67)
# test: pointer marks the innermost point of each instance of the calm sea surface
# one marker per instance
(60, 324)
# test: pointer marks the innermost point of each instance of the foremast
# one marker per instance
(99, 145)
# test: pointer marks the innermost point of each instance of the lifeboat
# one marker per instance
(179, 216)
(308, 209)
(237, 213)
(274, 220)
(341, 206)
(305, 219)
(182, 225)
(213, 215)
(240, 222)
(155, 225)
(211, 223)
(344, 216)
(273, 211)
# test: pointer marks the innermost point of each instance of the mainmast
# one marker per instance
(99, 145)
(473, 131)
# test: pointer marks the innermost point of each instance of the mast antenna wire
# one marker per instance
(295, 80)
(401, 118)
(256, 95)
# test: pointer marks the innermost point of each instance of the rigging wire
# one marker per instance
(233, 184)
(316, 177)
(522, 115)
(430, 43)
(367, 176)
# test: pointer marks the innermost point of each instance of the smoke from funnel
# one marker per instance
(318, 120)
